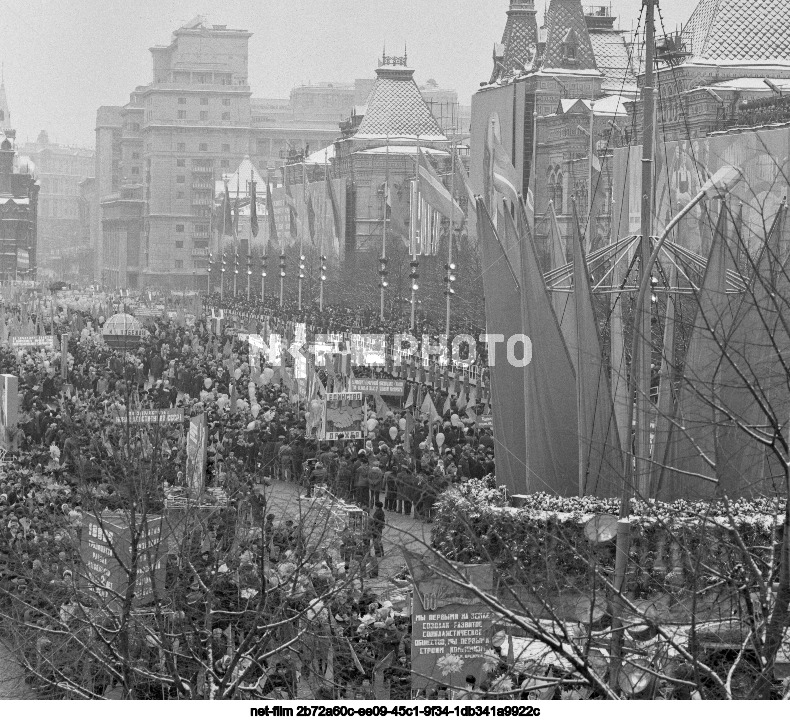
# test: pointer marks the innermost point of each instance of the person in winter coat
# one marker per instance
(375, 482)
(361, 482)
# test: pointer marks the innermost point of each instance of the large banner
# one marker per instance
(33, 341)
(196, 453)
(151, 416)
(343, 417)
(106, 552)
(683, 166)
(451, 626)
(380, 386)
(9, 411)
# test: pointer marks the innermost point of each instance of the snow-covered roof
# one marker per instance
(747, 85)
(726, 31)
(319, 157)
(395, 108)
(241, 178)
(402, 150)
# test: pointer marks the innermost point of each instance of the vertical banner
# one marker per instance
(451, 626)
(64, 356)
(196, 453)
(9, 411)
(106, 551)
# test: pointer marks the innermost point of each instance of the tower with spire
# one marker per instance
(518, 50)
(5, 111)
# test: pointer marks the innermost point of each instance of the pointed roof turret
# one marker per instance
(568, 45)
(518, 49)
(395, 107)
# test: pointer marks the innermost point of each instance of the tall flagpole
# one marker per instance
(301, 235)
(234, 220)
(640, 362)
(282, 244)
(321, 276)
(249, 240)
(591, 150)
(383, 261)
(416, 230)
(450, 266)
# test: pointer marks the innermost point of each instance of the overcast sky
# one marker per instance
(65, 59)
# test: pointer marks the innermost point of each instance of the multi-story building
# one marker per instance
(18, 211)
(159, 156)
(545, 85)
(730, 52)
(60, 169)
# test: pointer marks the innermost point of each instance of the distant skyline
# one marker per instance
(63, 60)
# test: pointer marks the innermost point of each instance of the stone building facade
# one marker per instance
(60, 169)
(159, 156)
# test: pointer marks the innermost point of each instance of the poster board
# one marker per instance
(106, 551)
(152, 416)
(196, 453)
(379, 386)
(33, 341)
(343, 417)
(9, 411)
(451, 627)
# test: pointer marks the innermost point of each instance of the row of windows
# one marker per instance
(204, 101)
(182, 115)
(197, 228)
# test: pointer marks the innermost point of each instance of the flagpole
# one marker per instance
(384, 228)
(450, 267)
(591, 150)
(321, 275)
(249, 240)
(415, 230)
(234, 220)
(301, 235)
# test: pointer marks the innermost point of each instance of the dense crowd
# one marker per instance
(72, 453)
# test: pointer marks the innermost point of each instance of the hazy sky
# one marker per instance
(65, 59)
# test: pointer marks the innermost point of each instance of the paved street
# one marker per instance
(400, 530)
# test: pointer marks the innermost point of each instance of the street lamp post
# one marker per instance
(263, 278)
(301, 278)
(282, 277)
(321, 279)
(414, 275)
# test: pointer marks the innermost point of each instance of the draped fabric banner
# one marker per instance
(551, 417)
(601, 464)
(501, 292)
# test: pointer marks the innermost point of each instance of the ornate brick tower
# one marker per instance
(518, 50)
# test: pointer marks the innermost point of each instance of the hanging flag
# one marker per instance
(381, 407)
(337, 218)
(428, 409)
(434, 193)
(310, 217)
(410, 398)
(253, 210)
(270, 213)
(601, 461)
(446, 405)
(227, 214)
(397, 212)
(236, 208)
(291, 203)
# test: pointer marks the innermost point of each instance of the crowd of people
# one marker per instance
(73, 453)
